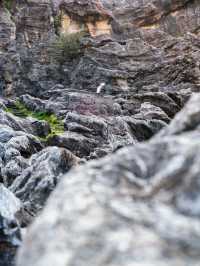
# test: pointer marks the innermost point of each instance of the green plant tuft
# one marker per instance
(66, 46)
(57, 23)
(8, 4)
(56, 125)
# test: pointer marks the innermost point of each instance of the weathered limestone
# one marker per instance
(128, 75)
(139, 206)
(10, 234)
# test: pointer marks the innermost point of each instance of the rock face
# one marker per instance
(139, 210)
(138, 46)
(80, 80)
(27, 168)
(10, 234)
(35, 184)
(138, 67)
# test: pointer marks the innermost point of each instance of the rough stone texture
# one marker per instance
(137, 66)
(16, 147)
(95, 124)
(145, 70)
(140, 53)
(34, 185)
(10, 234)
(30, 170)
(139, 206)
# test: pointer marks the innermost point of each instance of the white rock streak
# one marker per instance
(100, 87)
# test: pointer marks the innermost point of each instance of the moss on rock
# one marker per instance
(20, 110)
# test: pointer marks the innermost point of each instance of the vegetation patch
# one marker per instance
(8, 4)
(57, 23)
(66, 46)
(56, 125)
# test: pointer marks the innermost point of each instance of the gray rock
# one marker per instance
(13, 168)
(145, 57)
(139, 206)
(28, 125)
(34, 185)
(10, 234)
(78, 144)
(16, 147)
(187, 120)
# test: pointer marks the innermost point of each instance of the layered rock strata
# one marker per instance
(80, 80)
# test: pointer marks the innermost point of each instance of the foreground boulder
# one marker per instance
(139, 206)
(10, 235)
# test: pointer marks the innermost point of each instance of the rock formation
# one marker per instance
(10, 234)
(139, 206)
(107, 80)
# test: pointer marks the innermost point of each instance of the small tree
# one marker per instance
(66, 46)
(8, 4)
(57, 23)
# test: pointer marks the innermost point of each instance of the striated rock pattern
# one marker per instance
(139, 206)
(10, 234)
(27, 168)
(80, 80)
(37, 181)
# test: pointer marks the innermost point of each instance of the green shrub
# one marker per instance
(56, 125)
(8, 4)
(57, 23)
(66, 46)
(19, 109)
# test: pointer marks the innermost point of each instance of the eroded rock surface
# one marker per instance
(139, 206)
(136, 66)
(10, 234)
(34, 185)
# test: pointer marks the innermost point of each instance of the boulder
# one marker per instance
(10, 233)
(34, 185)
(16, 147)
